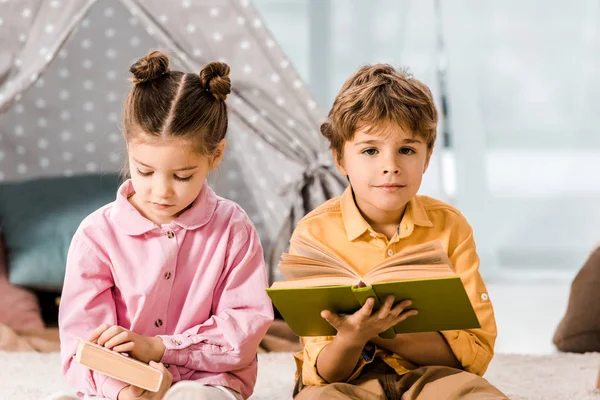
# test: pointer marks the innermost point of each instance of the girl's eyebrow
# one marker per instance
(178, 169)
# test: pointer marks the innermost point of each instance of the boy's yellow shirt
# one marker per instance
(339, 224)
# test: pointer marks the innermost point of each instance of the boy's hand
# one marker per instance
(364, 324)
(133, 392)
(119, 339)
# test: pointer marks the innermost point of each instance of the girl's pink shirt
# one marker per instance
(198, 283)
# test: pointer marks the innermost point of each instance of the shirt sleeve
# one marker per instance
(86, 303)
(242, 313)
(473, 348)
(306, 360)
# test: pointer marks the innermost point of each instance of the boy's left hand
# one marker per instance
(122, 340)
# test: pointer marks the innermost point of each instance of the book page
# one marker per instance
(407, 273)
(317, 251)
(293, 266)
(316, 255)
(418, 258)
(315, 281)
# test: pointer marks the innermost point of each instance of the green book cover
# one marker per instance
(442, 303)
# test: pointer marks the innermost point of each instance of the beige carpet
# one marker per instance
(560, 376)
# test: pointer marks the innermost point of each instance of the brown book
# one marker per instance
(118, 366)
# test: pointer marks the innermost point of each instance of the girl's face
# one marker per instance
(167, 176)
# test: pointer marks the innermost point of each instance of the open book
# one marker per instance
(318, 279)
(118, 366)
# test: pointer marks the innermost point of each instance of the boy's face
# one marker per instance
(385, 168)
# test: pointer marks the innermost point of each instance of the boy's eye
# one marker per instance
(407, 150)
(182, 179)
(369, 152)
(144, 173)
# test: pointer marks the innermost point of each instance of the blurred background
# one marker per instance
(517, 85)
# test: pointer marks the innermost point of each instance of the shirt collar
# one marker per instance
(128, 218)
(356, 225)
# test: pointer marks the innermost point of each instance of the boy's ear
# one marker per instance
(217, 156)
(339, 162)
(429, 153)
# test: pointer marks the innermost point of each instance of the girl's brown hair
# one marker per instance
(173, 104)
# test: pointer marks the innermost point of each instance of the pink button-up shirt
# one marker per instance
(198, 283)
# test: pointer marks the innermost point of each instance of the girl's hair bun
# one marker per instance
(152, 66)
(215, 79)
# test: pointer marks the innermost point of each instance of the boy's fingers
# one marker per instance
(330, 317)
(400, 307)
(384, 311)
(405, 315)
(367, 308)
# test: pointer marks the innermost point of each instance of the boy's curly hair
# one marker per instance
(379, 94)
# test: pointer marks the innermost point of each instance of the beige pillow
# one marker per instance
(579, 330)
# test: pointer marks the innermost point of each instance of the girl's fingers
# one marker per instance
(97, 332)
(136, 391)
(124, 348)
(108, 334)
(166, 373)
(118, 339)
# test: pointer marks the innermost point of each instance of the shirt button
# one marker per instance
(158, 323)
(390, 252)
(484, 297)
(170, 234)
(167, 275)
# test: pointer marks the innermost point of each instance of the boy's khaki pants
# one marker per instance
(380, 382)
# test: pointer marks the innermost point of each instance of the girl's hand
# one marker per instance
(364, 324)
(133, 392)
(114, 337)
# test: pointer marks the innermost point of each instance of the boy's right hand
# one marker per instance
(364, 324)
(133, 392)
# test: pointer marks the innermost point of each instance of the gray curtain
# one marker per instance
(277, 166)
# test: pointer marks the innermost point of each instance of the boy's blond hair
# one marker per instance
(379, 94)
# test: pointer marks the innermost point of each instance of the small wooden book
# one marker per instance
(118, 366)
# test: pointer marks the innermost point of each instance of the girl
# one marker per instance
(169, 272)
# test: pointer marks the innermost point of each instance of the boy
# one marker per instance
(381, 130)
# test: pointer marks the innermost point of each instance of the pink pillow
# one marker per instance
(19, 308)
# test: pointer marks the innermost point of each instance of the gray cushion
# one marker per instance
(38, 219)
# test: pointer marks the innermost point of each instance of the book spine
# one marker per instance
(362, 294)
